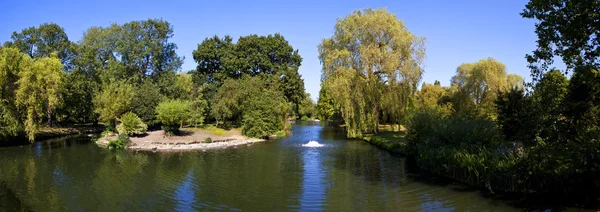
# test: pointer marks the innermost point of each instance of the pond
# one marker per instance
(283, 175)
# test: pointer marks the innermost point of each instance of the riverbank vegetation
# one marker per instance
(488, 128)
(129, 77)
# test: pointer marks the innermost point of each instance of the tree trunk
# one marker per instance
(49, 117)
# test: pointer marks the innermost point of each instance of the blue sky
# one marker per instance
(456, 31)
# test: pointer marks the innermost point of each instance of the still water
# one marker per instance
(73, 174)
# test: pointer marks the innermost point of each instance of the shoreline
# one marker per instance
(192, 146)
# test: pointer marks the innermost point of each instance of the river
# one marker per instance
(282, 175)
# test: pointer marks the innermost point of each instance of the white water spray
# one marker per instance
(312, 144)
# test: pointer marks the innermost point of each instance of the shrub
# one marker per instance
(208, 140)
(280, 133)
(172, 114)
(304, 118)
(120, 143)
(131, 124)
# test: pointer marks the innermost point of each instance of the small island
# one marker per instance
(187, 139)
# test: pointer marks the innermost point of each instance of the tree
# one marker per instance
(147, 96)
(221, 59)
(370, 59)
(42, 41)
(77, 95)
(172, 114)
(515, 82)
(113, 100)
(430, 94)
(479, 84)
(326, 108)
(39, 92)
(550, 95)
(12, 63)
(568, 29)
(307, 107)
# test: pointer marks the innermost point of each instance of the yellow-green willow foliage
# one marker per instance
(39, 90)
(372, 65)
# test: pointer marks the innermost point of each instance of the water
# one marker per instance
(342, 175)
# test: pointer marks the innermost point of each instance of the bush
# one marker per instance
(208, 140)
(121, 142)
(172, 114)
(131, 124)
(280, 133)
(304, 118)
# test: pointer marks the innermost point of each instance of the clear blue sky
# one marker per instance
(456, 31)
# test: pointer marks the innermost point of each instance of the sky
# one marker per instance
(456, 32)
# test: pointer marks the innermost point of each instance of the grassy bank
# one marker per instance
(394, 142)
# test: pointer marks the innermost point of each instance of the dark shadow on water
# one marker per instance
(9, 201)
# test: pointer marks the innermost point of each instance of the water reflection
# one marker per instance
(344, 175)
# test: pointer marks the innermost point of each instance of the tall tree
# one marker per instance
(39, 92)
(371, 58)
(515, 81)
(44, 40)
(567, 29)
(12, 63)
(220, 59)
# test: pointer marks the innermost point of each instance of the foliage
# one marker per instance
(121, 142)
(208, 140)
(567, 29)
(220, 60)
(147, 96)
(172, 114)
(131, 124)
(39, 92)
(518, 117)
(77, 95)
(326, 107)
(372, 63)
(264, 110)
(113, 100)
(479, 84)
(12, 63)
(307, 107)
(43, 41)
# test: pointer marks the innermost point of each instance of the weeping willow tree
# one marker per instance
(372, 65)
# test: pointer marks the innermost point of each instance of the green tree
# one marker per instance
(172, 114)
(113, 100)
(430, 95)
(515, 81)
(307, 107)
(44, 40)
(479, 84)
(549, 96)
(12, 63)
(326, 108)
(77, 95)
(371, 59)
(147, 96)
(39, 92)
(567, 29)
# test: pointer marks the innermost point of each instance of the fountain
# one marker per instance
(312, 144)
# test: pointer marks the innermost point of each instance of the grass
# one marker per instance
(211, 129)
(394, 142)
